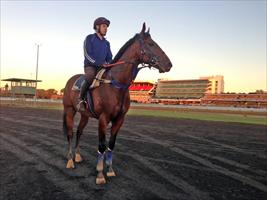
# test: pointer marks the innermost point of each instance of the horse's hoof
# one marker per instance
(70, 164)
(78, 158)
(111, 174)
(100, 181)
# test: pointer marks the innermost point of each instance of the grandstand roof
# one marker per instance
(140, 88)
(20, 80)
(143, 82)
(187, 80)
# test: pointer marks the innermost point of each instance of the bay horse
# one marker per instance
(111, 101)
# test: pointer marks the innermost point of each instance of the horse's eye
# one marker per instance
(151, 44)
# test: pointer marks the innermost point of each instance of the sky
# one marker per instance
(201, 38)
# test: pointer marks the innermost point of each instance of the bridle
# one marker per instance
(152, 62)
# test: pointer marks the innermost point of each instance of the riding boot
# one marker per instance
(82, 104)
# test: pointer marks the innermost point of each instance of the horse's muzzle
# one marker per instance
(166, 68)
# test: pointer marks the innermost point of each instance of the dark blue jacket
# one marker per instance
(96, 51)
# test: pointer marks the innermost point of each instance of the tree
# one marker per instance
(40, 93)
(259, 92)
(49, 93)
(62, 91)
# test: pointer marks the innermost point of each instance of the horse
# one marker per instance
(111, 101)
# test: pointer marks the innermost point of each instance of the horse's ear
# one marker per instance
(144, 28)
(148, 31)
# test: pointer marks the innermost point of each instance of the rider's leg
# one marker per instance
(90, 73)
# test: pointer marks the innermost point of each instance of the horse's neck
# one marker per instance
(124, 72)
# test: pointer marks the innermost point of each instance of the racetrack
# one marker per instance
(154, 158)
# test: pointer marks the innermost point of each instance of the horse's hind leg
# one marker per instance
(68, 127)
(82, 124)
(116, 125)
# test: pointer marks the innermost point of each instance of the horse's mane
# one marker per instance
(127, 44)
(124, 47)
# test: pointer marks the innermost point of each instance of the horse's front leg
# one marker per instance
(116, 125)
(82, 124)
(103, 122)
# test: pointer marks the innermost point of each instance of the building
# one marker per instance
(189, 89)
(141, 92)
(216, 84)
(21, 87)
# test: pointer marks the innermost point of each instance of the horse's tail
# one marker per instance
(65, 129)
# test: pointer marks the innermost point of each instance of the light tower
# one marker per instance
(36, 75)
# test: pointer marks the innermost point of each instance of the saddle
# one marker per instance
(96, 82)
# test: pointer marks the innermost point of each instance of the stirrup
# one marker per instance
(79, 105)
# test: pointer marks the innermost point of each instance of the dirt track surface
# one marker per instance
(154, 158)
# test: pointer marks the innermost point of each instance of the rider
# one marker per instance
(97, 54)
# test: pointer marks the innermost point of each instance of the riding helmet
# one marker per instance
(101, 20)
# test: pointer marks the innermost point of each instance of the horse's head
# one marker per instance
(151, 54)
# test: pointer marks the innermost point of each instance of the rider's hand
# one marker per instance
(103, 65)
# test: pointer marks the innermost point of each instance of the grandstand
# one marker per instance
(182, 89)
(20, 87)
(141, 92)
(187, 91)
(250, 100)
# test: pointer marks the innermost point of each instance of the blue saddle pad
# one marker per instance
(78, 83)
(89, 99)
